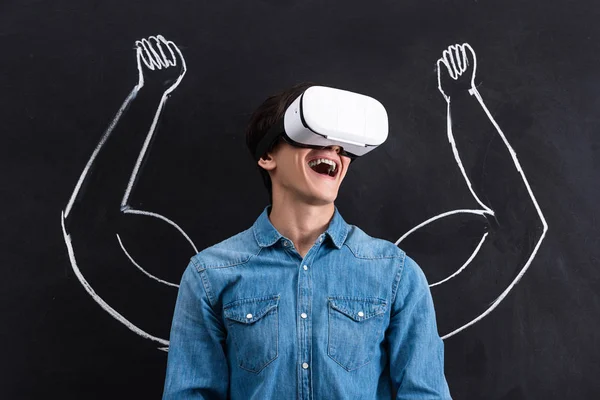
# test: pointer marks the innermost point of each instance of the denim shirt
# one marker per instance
(353, 319)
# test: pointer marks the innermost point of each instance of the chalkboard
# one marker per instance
(120, 162)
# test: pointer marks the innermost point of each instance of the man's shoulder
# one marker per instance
(367, 247)
(363, 245)
(235, 250)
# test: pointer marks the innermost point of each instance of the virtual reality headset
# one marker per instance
(323, 116)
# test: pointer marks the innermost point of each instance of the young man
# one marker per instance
(303, 305)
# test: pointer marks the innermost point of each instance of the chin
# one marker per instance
(321, 200)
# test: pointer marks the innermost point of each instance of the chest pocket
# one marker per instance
(253, 325)
(355, 328)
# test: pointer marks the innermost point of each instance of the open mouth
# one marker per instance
(324, 166)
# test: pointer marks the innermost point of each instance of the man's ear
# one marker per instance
(267, 162)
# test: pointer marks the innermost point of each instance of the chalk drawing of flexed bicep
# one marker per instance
(513, 224)
(100, 224)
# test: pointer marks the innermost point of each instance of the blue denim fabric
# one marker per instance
(354, 319)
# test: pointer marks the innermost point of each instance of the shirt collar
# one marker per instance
(337, 230)
(266, 235)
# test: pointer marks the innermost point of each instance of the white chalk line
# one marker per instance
(153, 61)
(163, 100)
(454, 75)
(455, 70)
(461, 269)
(114, 313)
(105, 136)
(513, 155)
(130, 97)
(148, 274)
(138, 163)
(443, 215)
(460, 165)
(128, 210)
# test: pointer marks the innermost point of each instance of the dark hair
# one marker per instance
(265, 116)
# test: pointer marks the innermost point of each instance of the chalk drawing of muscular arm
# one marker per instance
(126, 285)
(513, 226)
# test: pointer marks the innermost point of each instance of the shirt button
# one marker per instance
(286, 243)
(249, 316)
(303, 315)
(305, 365)
(305, 267)
(361, 314)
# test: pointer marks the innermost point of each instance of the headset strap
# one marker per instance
(269, 138)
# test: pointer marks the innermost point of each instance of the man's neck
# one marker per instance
(300, 222)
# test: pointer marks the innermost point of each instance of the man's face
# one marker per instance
(312, 176)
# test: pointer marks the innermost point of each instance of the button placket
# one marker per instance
(305, 297)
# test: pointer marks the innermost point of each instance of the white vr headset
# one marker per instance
(322, 117)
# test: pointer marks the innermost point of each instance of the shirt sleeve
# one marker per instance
(415, 347)
(197, 365)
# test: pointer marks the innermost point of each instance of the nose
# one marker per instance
(335, 148)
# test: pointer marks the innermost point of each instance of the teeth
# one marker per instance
(332, 165)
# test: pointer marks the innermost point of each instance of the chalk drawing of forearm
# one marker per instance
(494, 184)
(100, 204)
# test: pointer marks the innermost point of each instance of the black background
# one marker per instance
(66, 67)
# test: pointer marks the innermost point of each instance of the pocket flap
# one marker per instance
(359, 309)
(248, 311)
